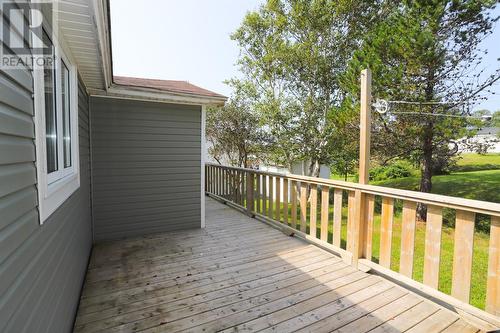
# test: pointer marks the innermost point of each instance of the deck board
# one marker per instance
(239, 274)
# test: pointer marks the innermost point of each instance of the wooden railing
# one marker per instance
(315, 209)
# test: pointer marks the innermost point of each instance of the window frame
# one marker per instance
(55, 188)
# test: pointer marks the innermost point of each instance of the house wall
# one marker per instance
(146, 167)
(489, 140)
(42, 267)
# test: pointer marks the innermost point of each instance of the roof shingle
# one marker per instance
(172, 86)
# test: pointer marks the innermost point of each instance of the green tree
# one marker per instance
(293, 52)
(424, 52)
(495, 119)
(233, 130)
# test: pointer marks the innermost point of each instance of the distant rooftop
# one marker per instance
(171, 86)
(489, 131)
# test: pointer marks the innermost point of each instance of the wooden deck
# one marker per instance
(239, 274)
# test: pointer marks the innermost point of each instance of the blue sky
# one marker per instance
(189, 40)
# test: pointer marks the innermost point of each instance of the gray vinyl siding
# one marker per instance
(42, 267)
(145, 166)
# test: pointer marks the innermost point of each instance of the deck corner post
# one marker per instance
(359, 227)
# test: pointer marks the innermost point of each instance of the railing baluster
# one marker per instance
(271, 197)
(462, 255)
(211, 184)
(278, 199)
(243, 186)
(212, 180)
(369, 213)
(222, 182)
(408, 238)
(285, 201)
(294, 204)
(337, 217)
(351, 212)
(303, 207)
(249, 192)
(207, 178)
(205, 169)
(233, 186)
(386, 221)
(313, 210)
(264, 195)
(218, 181)
(325, 192)
(240, 183)
(237, 186)
(432, 256)
(227, 183)
(493, 284)
(257, 193)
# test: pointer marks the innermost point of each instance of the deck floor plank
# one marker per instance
(240, 275)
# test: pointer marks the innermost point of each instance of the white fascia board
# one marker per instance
(156, 96)
(101, 15)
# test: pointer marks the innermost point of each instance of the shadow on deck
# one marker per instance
(239, 274)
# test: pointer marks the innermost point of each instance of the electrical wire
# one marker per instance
(382, 106)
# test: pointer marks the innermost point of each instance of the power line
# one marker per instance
(382, 107)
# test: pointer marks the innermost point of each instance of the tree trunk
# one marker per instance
(427, 147)
(314, 169)
(426, 176)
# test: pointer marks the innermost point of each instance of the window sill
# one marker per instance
(56, 194)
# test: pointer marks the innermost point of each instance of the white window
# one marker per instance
(56, 127)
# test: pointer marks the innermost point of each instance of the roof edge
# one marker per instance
(154, 95)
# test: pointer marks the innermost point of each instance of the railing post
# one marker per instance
(249, 197)
(493, 283)
(359, 226)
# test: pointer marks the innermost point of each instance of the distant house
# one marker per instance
(298, 168)
(488, 138)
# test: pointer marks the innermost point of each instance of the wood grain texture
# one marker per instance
(365, 126)
(294, 204)
(250, 193)
(370, 210)
(270, 188)
(432, 258)
(337, 216)
(386, 222)
(277, 211)
(351, 216)
(237, 275)
(462, 255)
(493, 285)
(285, 201)
(408, 228)
(258, 195)
(313, 210)
(264, 194)
(303, 207)
(325, 205)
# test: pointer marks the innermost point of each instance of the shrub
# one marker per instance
(393, 171)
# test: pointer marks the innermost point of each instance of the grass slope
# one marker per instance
(478, 185)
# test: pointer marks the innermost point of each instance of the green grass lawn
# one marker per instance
(476, 162)
(478, 185)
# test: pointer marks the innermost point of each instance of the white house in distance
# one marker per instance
(298, 168)
(488, 136)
